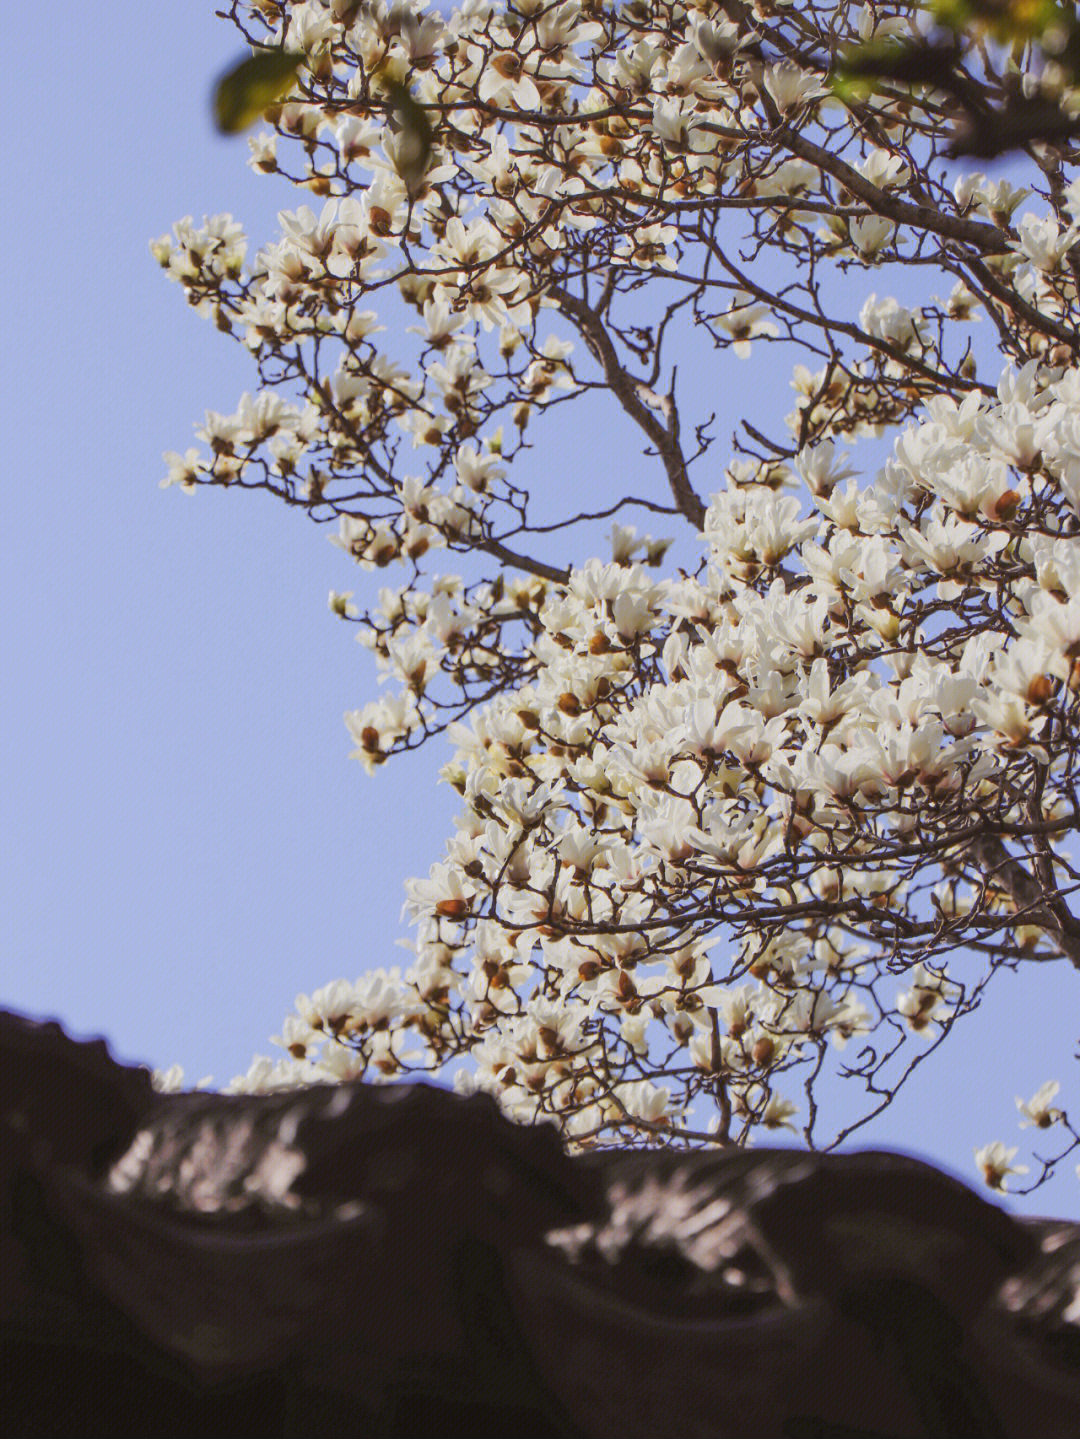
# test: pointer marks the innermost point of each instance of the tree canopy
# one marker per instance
(779, 802)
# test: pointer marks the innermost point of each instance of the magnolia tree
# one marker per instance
(731, 829)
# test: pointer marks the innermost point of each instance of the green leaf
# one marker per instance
(850, 89)
(245, 91)
(917, 64)
(410, 121)
(908, 62)
(955, 14)
(1006, 20)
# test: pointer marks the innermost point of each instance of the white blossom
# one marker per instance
(995, 1162)
(727, 807)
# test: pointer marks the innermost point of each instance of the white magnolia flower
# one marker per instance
(744, 322)
(870, 234)
(885, 170)
(1038, 1110)
(996, 1164)
(777, 1113)
(340, 603)
(1042, 241)
(791, 87)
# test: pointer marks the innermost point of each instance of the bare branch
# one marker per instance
(628, 392)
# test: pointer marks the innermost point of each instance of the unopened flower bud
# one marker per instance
(452, 908)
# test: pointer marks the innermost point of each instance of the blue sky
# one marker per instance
(186, 844)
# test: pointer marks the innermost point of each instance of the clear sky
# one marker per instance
(186, 845)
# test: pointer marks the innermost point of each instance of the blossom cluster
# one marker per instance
(759, 748)
(723, 827)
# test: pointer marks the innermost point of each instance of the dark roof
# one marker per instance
(386, 1259)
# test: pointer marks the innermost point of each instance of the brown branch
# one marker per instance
(490, 546)
(779, 303)
(1034, 904)
(1013, 301)
(628, 392)
(524, 562)
(985, 238)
